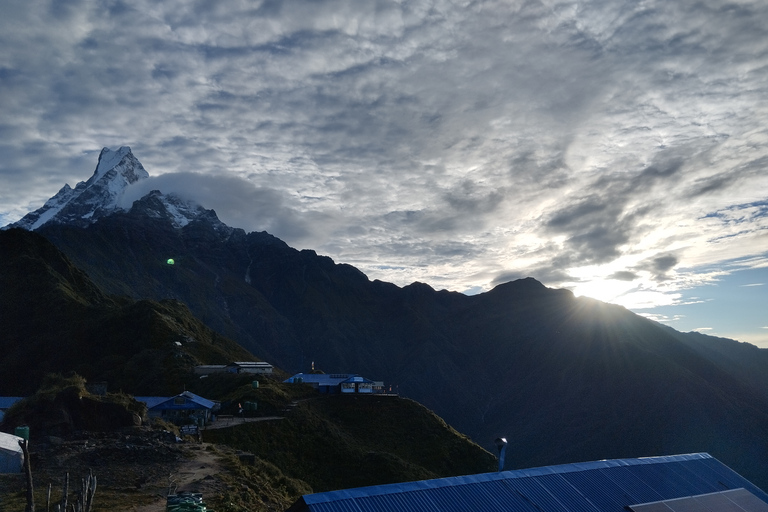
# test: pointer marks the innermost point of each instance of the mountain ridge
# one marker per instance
(90, 200)
(569, 378)
(56, 320)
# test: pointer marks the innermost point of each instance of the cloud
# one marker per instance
(660, 265)
(236, 201)
(624, 276)
(457, 143)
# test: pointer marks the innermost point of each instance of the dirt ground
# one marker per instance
(196, 474)
(136, 468)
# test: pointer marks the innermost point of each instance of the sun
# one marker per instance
(603, 289)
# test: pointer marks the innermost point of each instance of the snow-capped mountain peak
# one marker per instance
(92, 199)
(102, 195)
(177, 210)
(108, 159)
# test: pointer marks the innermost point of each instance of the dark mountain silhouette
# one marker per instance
(54, 319)
(563, 378)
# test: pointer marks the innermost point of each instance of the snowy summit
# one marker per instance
(92, 199)
(102, 195)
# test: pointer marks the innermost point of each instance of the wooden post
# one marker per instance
(28, 472)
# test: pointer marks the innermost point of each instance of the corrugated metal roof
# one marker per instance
(600, 486)
(357, 378)
(9, 442)
(322, 379)
(7, 401)
(154, 401)
(330, 379)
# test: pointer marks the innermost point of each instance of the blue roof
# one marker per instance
(7, 401)
(357, 378)
(602, 486)
(152, 401)
(168, 402)
(322, 379)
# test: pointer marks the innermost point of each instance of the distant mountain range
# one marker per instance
(564, 379)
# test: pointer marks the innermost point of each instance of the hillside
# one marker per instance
(253, 464)
(56, 320)
(338, 442)
(565, 378)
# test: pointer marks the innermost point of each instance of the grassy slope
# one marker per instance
(339, 442)
(56, 320)
(323, 443)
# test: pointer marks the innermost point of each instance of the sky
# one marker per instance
(615, 148)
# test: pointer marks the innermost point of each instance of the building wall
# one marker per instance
(11, 462)
(255, 370)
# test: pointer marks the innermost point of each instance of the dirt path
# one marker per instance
(195, 474)
(232, 421)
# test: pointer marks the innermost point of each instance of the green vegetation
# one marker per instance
(257, 487)
(63, 405)
(317, 443)
(56, 320)
(271, 395)
(337, 442)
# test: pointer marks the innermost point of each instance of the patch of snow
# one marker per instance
(102, 194)
(45, 217)
(108, 159)
(179, 219)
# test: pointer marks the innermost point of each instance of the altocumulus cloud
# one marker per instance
(457, 143)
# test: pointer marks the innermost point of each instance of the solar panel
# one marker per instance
(735, 500)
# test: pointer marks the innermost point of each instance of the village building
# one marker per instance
(209, 369)
(183, 408)
(680, 483)
(338, 383)
(258, 367)
(254, 367)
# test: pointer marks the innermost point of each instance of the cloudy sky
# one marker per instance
(618, 148)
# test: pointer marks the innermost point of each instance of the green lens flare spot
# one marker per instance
(170, 261)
